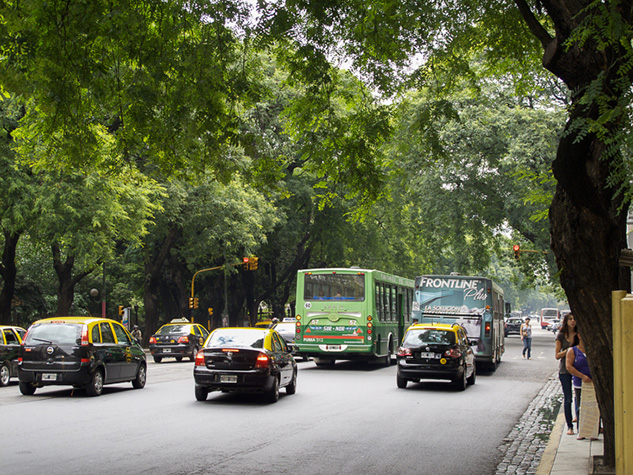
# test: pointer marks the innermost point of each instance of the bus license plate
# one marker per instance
(429, 356)
(228, 378)
(333, 347)
(49, 377)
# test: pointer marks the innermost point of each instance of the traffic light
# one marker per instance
(195, 302)
(190, 302)
(121, 310)
(517, 251)
(253, 263)
(246, 260)
(210, 309)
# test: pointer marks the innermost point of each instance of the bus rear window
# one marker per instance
(348, 287)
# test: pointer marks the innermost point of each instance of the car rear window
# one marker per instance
(55, 333)
(429, 337)
(171, 329)
(237, 338)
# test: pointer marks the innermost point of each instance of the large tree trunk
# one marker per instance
(66, 287)
(8, 273)
(153, 273)
(588, 224)
(587, 215)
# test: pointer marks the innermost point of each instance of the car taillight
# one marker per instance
(152, 339)
(487, 328)
(84, 335)
(262, 361)
(453, 353)
(183, 339)
(200, 358)
(404, 351)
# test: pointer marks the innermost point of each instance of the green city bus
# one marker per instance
(476, 303)
(351, 314)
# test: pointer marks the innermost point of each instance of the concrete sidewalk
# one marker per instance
(565, 455)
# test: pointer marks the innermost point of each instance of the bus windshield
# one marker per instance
(449, 296)
(332, 286)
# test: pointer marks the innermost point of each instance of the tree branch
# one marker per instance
(533, 24)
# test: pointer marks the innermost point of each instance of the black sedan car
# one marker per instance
(288, 331)
(245, 360)
(513, 326)
(176, 340)
(436, 351)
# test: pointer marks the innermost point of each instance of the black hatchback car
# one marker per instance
(10, 340)
(436, 351)
(82, 352)
(245, 360)
(176, 340)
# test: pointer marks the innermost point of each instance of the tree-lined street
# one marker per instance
(347, 419)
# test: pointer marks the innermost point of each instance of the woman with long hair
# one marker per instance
(566, 338)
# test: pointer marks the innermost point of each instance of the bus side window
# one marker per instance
(394, 304)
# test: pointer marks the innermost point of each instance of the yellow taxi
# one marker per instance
(10, 340)
(83, 352)
(436, 351)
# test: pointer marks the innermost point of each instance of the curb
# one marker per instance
(549, 456)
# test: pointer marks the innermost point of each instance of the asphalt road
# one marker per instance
(349, 419)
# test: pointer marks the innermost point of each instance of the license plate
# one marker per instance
(166, 350)
(332, 347)
(49, 377)
(429, 355)
(228, 378)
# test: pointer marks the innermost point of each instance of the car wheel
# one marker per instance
(141, 377)
(201, 393)
(95, 386)
(292, 387)
(5, 374)
(473, 376)
(387, 361)
(157, 359)
(461, 383)
(27, 389)
(273, 394)
(401, 382)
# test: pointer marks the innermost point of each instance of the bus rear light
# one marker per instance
(262, 361)
(369, 318)
(404, 351)
(369, 324)
(298, 317)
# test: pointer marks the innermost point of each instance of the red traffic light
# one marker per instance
(245, 259)
(516, 247)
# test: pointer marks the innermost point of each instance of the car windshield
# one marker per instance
(237, 338)
(515, 320)
(428, 336)
(171, 329)
(55, 333)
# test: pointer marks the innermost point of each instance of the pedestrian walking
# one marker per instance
(587, 411)
(526, 336)
(565, 339)
(138, 336)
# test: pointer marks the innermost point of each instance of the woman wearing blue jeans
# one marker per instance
(566, 338)
(526, 336)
